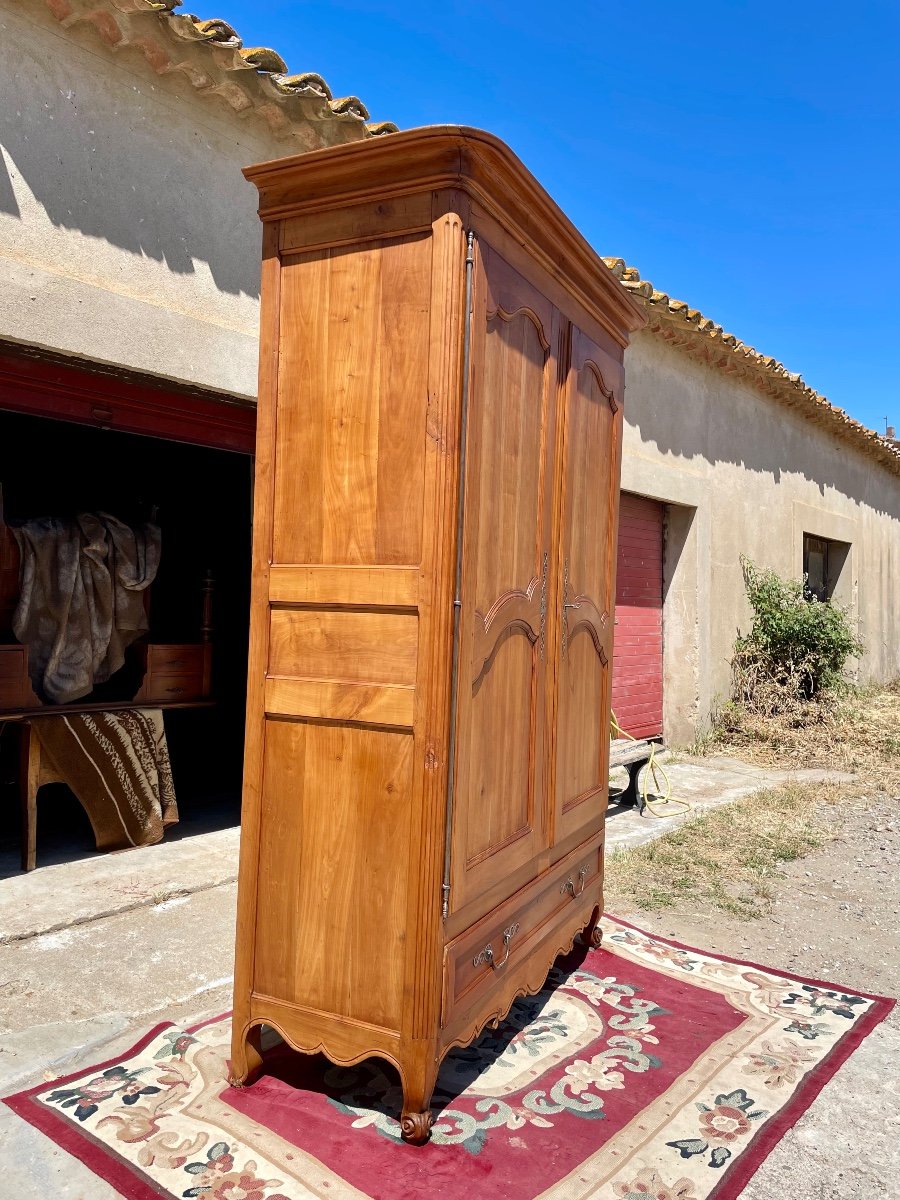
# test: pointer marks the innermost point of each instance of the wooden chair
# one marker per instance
(35, 769)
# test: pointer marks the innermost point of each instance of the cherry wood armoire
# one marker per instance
(438, 452)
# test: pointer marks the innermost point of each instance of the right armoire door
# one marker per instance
(590, 455)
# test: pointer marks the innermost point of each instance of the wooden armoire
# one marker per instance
(437, 476)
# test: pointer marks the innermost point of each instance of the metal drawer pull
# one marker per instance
(569, 885)
(487, 954)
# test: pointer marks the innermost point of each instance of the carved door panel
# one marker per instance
(591, 448)
(499, 794)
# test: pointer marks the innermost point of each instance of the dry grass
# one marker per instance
(857, 732)
(729, 858)
(726, 859)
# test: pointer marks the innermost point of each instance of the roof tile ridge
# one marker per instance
(289, 102)
(678, 312)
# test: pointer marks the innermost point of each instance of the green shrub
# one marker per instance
(797, 647)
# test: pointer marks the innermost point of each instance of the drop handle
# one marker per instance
(567, 605)
(569, 885)
(487, 954)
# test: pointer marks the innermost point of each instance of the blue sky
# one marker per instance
(745, 157)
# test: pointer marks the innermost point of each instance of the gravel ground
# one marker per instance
(835, 918)
(836, 915)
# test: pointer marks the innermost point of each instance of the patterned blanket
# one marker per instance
(117, 764)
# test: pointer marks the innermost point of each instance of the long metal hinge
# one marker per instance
(457, 591)
(543, 628)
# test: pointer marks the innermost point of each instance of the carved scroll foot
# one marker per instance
(592, 934)
(418, 1075)
(415, 1127)
(246, 1056)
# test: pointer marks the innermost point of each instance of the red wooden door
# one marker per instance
(71, 392)
(637, 684)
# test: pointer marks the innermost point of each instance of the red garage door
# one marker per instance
(637, 658)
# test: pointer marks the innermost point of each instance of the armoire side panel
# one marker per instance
(332, 895)
(334, 855)
(590, 493)
(349, 455)
(354, 644)
(499, 803)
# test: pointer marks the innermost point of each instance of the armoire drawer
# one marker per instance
(175, 672)
(497, 943)
(13, 662)
(15, 693)
(15, 686)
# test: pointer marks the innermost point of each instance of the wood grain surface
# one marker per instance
(352, 722)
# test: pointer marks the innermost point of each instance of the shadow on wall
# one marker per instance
(109, 154)
(7, 195)
(709, 415)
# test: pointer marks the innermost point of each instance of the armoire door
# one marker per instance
(585, 593)
(499, 823)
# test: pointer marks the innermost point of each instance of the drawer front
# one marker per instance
(182, 661)
(13, 662)
(175, 673)
(184, 686)
(480, 956)
(15, 693)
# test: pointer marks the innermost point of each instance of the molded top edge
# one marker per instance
(397, 144)
(442, 156)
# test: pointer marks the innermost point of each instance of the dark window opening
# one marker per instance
(824, 561)
(815, 567)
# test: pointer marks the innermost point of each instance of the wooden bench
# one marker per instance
(632, 755)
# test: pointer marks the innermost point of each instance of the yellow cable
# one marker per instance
(651, 770)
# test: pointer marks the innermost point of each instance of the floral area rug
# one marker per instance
(643, 1070)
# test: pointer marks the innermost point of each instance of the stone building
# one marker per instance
(734, 455)
(129, 248)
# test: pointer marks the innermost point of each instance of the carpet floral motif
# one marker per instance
(643, 1071)
(480, 1088)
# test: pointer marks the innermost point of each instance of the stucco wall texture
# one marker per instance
(743, 474)
(127, 233)
(129, 237)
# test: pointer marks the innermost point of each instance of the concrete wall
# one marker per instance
(127, 233)
(743, 474)
(128, 236)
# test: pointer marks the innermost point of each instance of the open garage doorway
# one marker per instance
(75, 441)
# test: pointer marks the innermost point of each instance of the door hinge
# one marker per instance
(543, 619)
(445, 901)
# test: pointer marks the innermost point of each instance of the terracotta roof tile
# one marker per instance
(698, 335)
(213, 58)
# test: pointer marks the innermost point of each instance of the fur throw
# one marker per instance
(81, 600)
